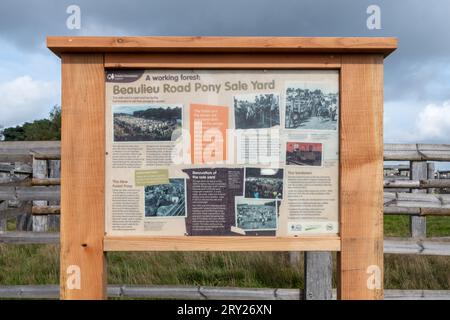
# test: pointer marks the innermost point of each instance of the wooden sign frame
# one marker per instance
(360, 64)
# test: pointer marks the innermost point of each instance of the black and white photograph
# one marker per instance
(166, 200)
(147, 123)
(257, 111)
(256, 214)
(304, 154)
(311, 109)
(263, 183)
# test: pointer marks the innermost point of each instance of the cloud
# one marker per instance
(433, 123)
(26, 99)
(416, 75)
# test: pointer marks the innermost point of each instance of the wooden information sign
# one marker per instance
(222, 144)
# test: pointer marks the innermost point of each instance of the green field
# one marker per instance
(39, 264)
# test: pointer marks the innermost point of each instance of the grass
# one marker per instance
(39, 264)
(398, 226)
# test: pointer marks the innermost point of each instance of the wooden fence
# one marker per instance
(29, 196)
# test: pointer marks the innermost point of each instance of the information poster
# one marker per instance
(222, 152)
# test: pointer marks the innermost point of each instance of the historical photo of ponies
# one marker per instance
(166, 200)
(312, 109)
(263, 183)
(304, 154)
(147, 123)
(257, 111)
(256, 214)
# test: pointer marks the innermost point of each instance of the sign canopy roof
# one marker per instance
(357, 45)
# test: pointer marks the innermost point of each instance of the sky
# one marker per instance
(417, 75)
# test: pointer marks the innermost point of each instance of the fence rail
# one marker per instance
(30, 193)
(206, 293)
(417, 152)
(428, 246)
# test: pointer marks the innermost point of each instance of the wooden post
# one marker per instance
(40, 171)
(360, 261)
(430, 174)
(3, 222)
(83, 177)
(418, 225)
(318, 275)
(294, 258)
(54, 172)
(4, 178)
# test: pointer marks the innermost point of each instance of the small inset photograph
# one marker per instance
(257, 111)
(263, 183)
(166, 200)
(311, 109)
(256, 214)
(304, 154)
(147, 123)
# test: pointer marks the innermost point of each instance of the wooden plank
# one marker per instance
(45, 210)
(23, 151)
(202, 293)
(11, 157)
(61, 45)
(29, 292)
(394, 210)
(40, 171)
(18, 168)
(417, 152)
(3, 218)
(29, 193)
(54, 220)
(38, 193)
(318, 275)
(222, 61)
(24, 237)
(83, 177)
(417, 199)
(417, 295)
(430, 175)
(7, 193)
(46, 182)
(294, 258)
(27, 208)
(438, 246)
(417, 184)
(418, 225)
(210, 243)
(361, 177)
(29, 145)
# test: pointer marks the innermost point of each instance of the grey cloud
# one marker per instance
(421, 26)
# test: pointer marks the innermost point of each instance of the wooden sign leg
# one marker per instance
(360, 262)
(82, 177)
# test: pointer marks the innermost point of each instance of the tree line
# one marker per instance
(43, 129)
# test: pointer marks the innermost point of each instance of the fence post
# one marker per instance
(318, 275)
(419, 171)
(40, 171)
(3, 222)
(294, 258)
(54, 172)
(430, 174)
(23, 221)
